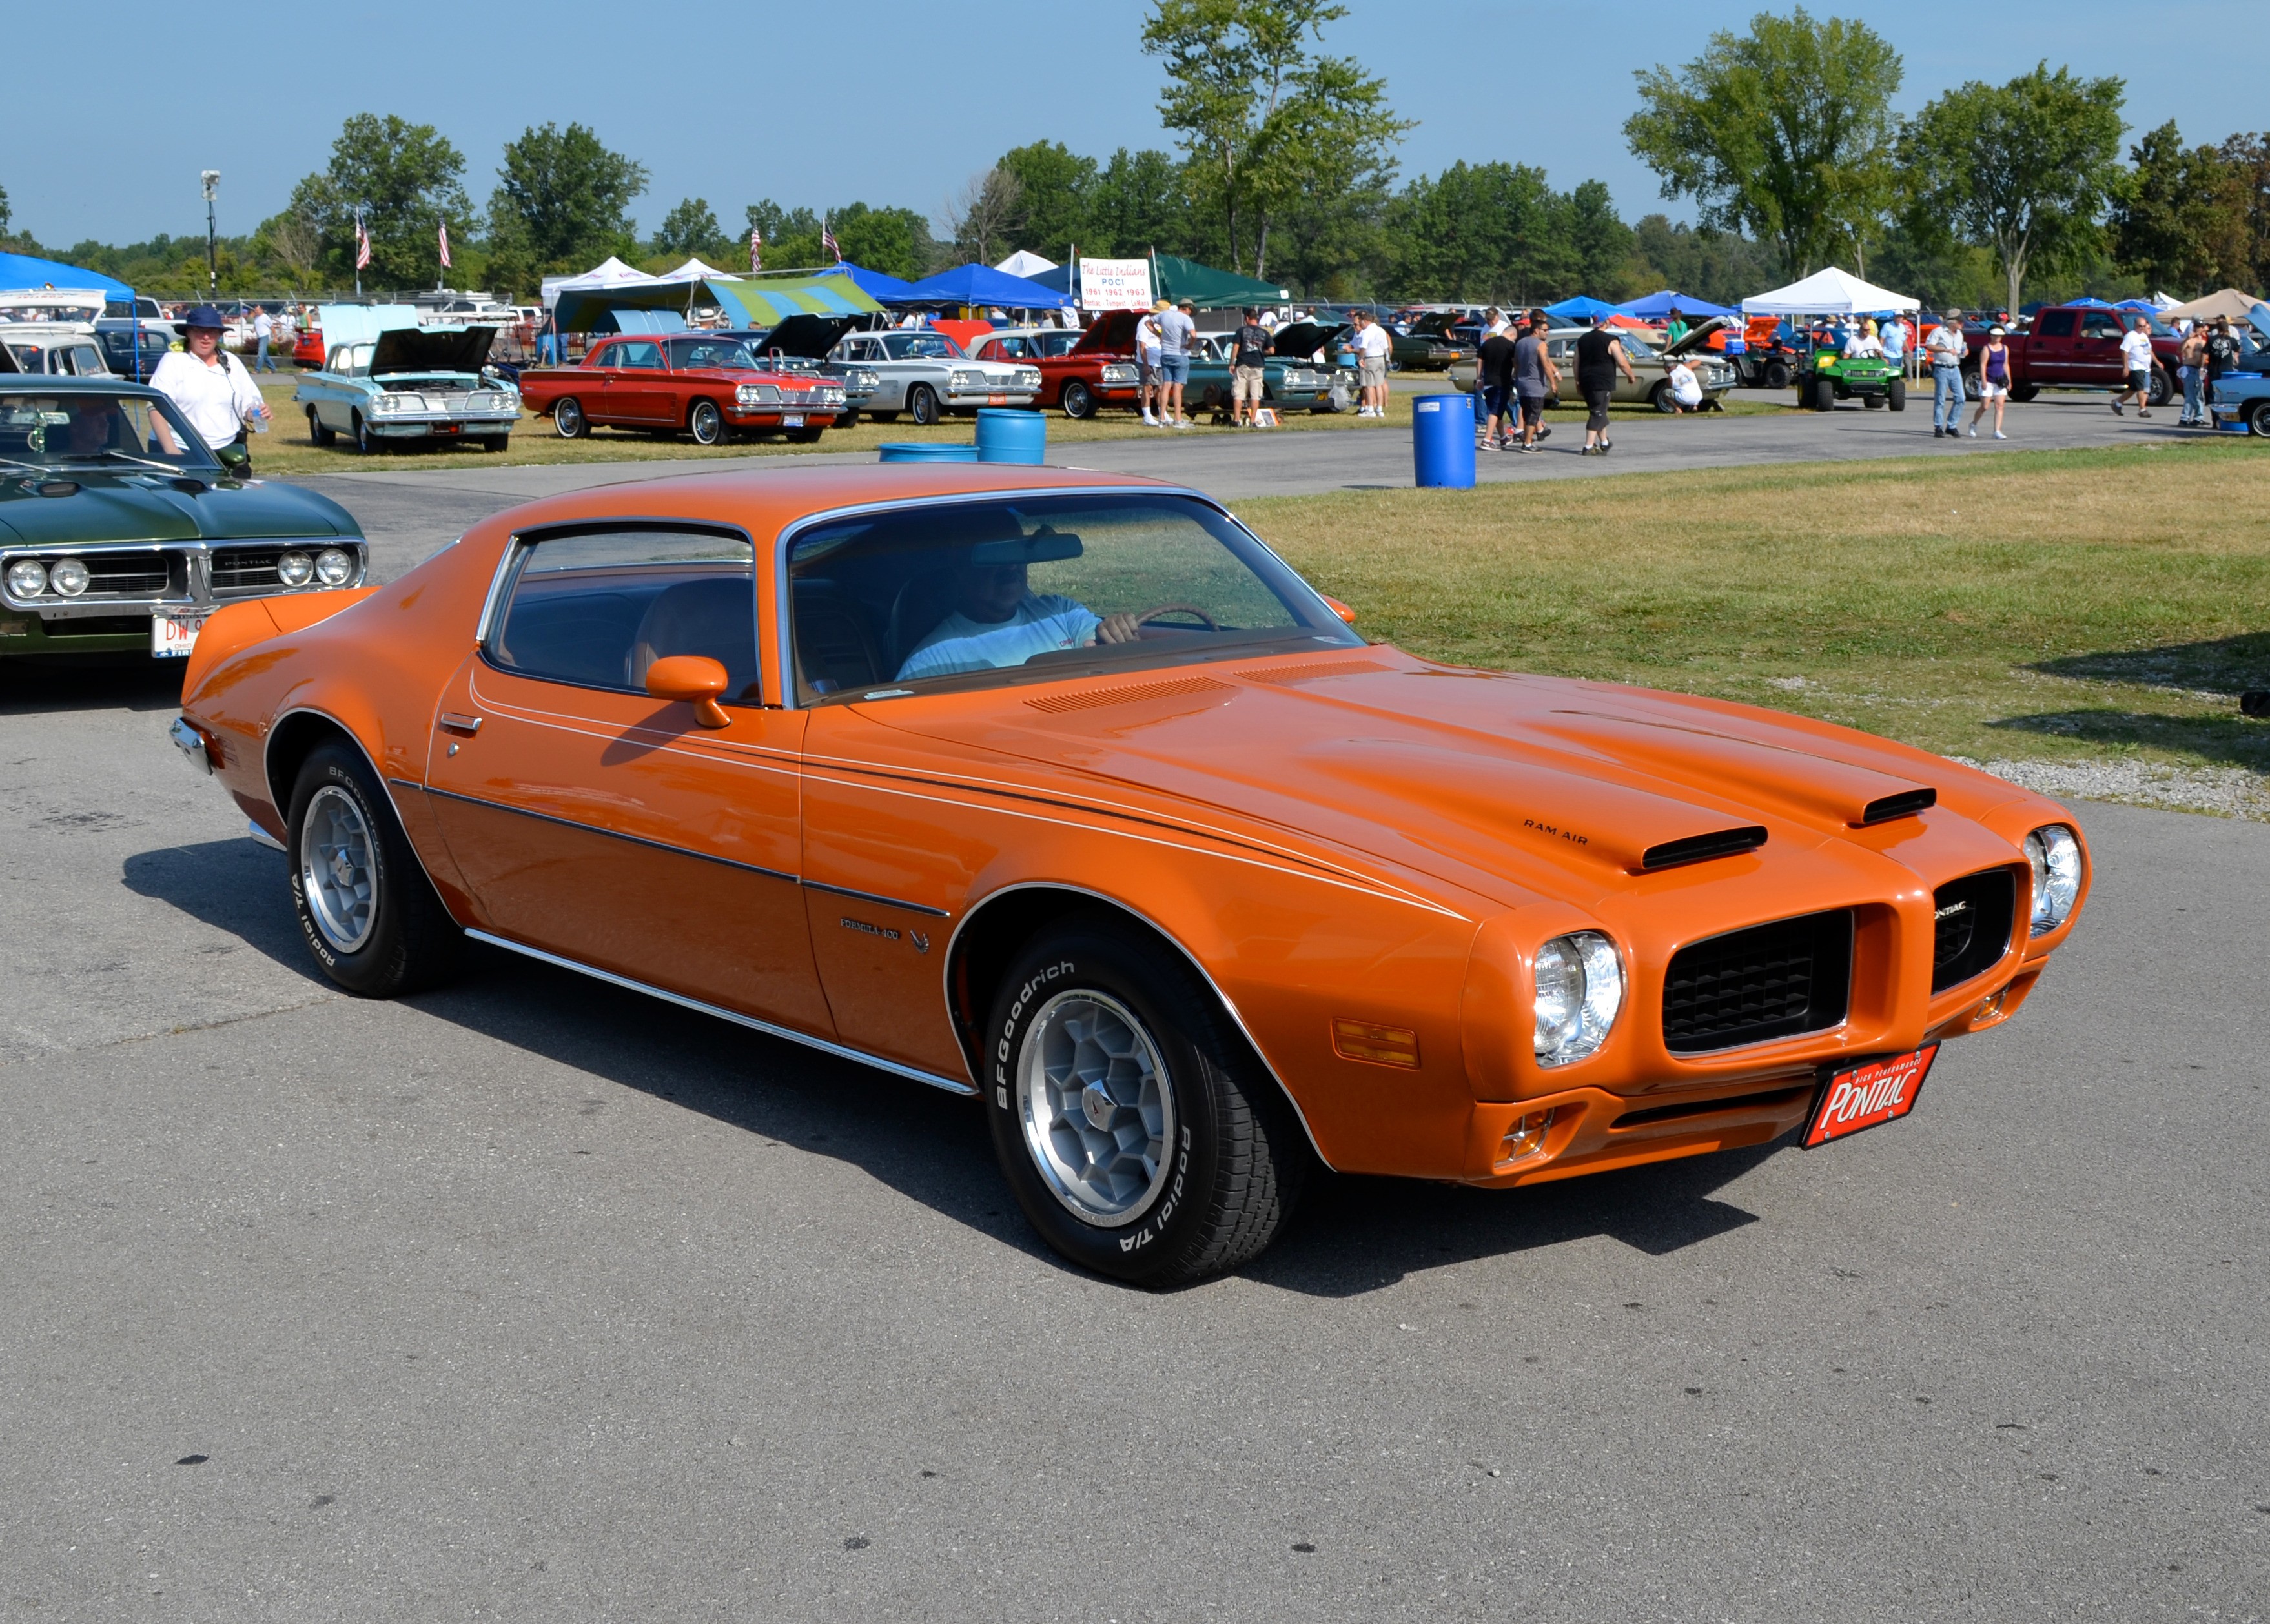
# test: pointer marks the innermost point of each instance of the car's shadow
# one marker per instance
(2221, 666)
(1351, 1236)
(54, 683)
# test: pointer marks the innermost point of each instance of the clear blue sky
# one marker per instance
(893, 102)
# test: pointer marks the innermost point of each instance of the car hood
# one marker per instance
(1303, 339)
(431, 349)
(1698, 336)
(1507, 785)
(1112, 334)
(154, 506)
(809, 336)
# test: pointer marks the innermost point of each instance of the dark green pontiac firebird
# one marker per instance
(120, 531)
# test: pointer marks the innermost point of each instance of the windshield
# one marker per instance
(689, 354)
(920, 346)
(980, 594)
(52, 429)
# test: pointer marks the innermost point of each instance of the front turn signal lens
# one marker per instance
(1360, 1040)
(1525, 1137)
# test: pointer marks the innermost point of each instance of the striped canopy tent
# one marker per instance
(747, 302)
(876, 284)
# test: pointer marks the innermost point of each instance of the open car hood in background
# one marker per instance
(1698, 336)
(808, 337)
(431, 349)
(1303, 339)
(1113, 333)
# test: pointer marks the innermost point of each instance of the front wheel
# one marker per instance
(1659, 398)
(705, 423)
(568, 418)
(366, 908)
(884, 417)
(2163, 389)
(1897, 396)
(496, 442)
(922, 404)
(802, 436)
(2023, 392)
(366, 442)
(2258, 419)
(1079, 399)
(1141, 1137)
(1824, 394)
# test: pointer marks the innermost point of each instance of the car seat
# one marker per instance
(713, 615)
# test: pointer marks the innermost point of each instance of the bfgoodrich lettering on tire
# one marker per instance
(366, 908)
(1136, 1127)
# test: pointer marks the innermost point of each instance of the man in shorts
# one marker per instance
(1249, 354)
(1150, 386)
(1600, 357)
(1371, 346)
(2136, 357)
(1535, 381)
(1177, 328)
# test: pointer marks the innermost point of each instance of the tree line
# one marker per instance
(1283, 166)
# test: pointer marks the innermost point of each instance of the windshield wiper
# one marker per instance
(145, 462)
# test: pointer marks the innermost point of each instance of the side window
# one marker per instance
(600, 355)
(2097, 325)
(643, 353)
(2055, 324)
(598, 608)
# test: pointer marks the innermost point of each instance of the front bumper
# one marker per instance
(965, 400)
(436, 424)
(137, 580)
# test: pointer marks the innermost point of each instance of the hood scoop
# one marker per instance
(1702, 848)
(1906, 804)
(1127, 693)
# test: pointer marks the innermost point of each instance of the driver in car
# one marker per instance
(998, 620)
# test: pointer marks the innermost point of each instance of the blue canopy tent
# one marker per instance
(21, 271)
(1655, 306)
(1583, 308)
(879, 285)
(982, 285)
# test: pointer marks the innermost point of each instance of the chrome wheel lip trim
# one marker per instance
(1031, 1074)
(315, 887)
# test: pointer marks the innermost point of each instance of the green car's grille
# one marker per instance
(126, 575)
(237, 568)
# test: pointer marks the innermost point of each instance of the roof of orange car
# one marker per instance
(755, 497)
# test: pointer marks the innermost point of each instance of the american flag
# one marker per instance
(362, 244)
(828, 243)
(445, 245)
(756, 249)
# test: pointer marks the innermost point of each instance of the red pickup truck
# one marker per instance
(2074, 347)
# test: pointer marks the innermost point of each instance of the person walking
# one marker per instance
(1600, 357)
(1946, 348)
(1177, 327)
(1893, 336)
(210, 386)
(264, 328)
(2191, 368)
(1249, 355)
(1535, 378)
(1494, 376)
(1371, 347)
(2136, 354)
(2223, 354)
(1993, 380)
(1150, 383)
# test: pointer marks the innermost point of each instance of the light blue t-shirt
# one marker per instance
(1039, 624)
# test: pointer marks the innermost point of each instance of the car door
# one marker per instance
(891, 391)
(2096, 358)
(612, 829)
(638, 389)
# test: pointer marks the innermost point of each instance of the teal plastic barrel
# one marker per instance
(1004, 435)
(923, 451)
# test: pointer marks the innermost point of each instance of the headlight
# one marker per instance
(68, 576)
(757, 394)
(27, 577)
(295, 570)
(1580, 988)
(386, 402)
(1117, 374)
(829, 395)
(967, 381)
(2055, 856)
(869, 382)
(1028, 378)
(333, 568)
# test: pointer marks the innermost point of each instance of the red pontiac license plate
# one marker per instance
(997, 400)
(1861, 1096)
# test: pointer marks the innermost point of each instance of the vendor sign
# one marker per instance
(1114, 284)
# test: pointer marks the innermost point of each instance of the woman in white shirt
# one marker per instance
(210, 385)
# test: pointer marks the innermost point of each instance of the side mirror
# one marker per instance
(1338, 608)
(233, 458)
(694, 678)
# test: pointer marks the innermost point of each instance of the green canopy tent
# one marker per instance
(751, 302)
(1176, 278)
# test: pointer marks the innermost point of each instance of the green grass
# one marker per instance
(2060, 606)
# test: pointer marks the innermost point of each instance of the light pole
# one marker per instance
(212, 249)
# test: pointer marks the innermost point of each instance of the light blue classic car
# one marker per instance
(385, 378)
(2242, 398)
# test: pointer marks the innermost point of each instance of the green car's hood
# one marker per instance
(134, 506)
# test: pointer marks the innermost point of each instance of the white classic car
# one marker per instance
(386, 377)
(926, 375)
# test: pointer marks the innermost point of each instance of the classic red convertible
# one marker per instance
(1080, 372)
(704, 384)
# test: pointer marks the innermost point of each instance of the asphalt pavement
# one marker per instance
(528, 1298)
(407, 513)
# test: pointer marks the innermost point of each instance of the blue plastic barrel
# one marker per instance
(1443, 440)
(1004, 435)
(926, 451)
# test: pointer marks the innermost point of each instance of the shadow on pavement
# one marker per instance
(1351, 1234)
(55, 684)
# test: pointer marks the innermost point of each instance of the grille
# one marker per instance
(99, 626)
(1768, 981)
(236, 569)
(1972, 930)
(126, 575)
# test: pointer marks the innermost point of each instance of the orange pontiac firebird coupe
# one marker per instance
(1062, 790)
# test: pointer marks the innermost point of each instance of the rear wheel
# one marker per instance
(705, 423)
(1897, 396)
(1079, 399)
(316, 431)
(568, 418)
(496, 442)
(1824, 394)
(366, 908)
(922, 404)
(2024, 391)
(1140, 1135)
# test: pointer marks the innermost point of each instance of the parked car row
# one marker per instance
(1651, 386)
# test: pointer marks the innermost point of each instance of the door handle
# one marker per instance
(457, 721)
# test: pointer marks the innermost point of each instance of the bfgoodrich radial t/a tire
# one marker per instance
(1139, 1132)
(366, 908)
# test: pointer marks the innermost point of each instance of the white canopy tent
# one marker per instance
(1022, 264)
(694, 270)
(1829, 292)
(609, 272)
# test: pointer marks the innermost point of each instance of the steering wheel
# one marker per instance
(1149, 615)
